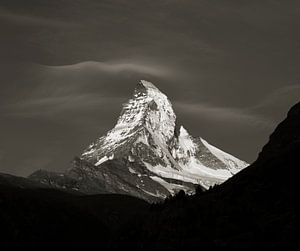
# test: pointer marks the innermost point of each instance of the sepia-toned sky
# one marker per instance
(230, 68)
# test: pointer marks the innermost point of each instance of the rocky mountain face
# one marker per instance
(147, 155)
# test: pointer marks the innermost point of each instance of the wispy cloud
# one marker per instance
(289, 93)
(30, 20)
(225, 114)
(80, 89)
(257, 115)
(115, 67)
(53, 106)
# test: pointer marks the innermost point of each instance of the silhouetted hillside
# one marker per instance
(41, 217)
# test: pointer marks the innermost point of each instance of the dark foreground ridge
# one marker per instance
(255, 208)
(32, 216)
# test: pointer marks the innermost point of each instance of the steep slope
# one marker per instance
(258, 207)
(146, 155)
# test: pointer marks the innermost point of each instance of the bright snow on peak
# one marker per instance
(147, 154)
(149, 108)
(148, 84)
(145, 133)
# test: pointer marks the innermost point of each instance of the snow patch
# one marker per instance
(132, 171)
(130, 158)
(172, 188)
(157, 194)
(186, 145)
(148, 84)
(103, 159)
(88, 152)
(196, 175)
(234, 164)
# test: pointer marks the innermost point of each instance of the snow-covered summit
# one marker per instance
(148, 109)
(148, 84)
(145, 133)
(148, 155)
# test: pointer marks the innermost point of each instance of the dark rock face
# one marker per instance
(146, 155)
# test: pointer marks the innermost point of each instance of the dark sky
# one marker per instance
(230, 68)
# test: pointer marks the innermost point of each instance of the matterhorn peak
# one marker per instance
(146, 154)
(149, 110)
(148, 84)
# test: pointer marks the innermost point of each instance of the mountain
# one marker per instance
(147, 155)
(258, 207)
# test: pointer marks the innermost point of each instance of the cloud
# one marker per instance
(30, 20)
(265, 114)
(52, 106)
(225, 114)
(276, 104)
(105, 78)
(81, 87)
(114, 67)
(286, 94)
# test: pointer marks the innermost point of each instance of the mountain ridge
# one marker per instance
(258, 207)
(146, 154)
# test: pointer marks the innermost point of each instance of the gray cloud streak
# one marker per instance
(229, 114)
(280, 95)
(50, 107)
(115, 67)
(31, 20)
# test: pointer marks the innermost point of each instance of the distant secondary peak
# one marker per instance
(183, 132)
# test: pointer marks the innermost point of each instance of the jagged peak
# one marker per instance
(149, 117)
(146, 96)
(148, 84)
(146, 89)
(148, 108)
